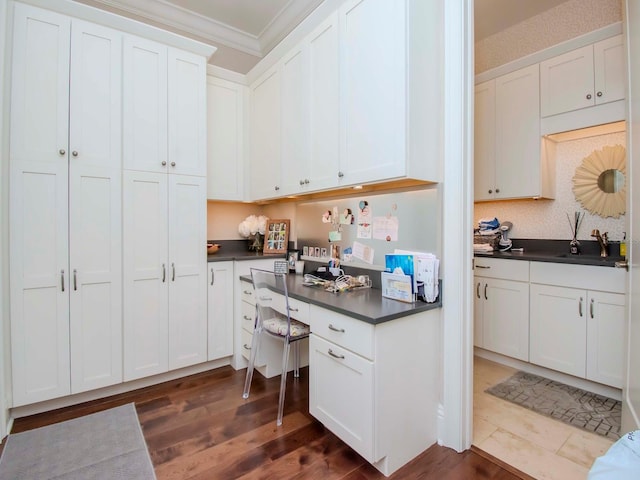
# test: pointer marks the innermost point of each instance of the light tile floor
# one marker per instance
(544, 448)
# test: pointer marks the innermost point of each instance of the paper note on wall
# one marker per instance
(364, 220)
(385, 228)
(362, 252)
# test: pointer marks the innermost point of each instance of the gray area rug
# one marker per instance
(103, 445)
(571, 405)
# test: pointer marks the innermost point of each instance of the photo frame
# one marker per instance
(276, 236)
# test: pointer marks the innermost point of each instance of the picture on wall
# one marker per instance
(276, 236)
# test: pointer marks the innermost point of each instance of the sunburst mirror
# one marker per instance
(599, 182)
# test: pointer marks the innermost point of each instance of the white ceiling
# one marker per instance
(244, 31)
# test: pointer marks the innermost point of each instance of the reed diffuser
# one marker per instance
(574, 244)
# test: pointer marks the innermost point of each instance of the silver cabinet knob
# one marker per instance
(306, 181)
(301, 182)
(340, 174)
(276, 188)
(497, 190)
(490, 191)
(164, 163)
(588, 96)
(74, 153)
(62, 151)
(599, 94)
(173, 164)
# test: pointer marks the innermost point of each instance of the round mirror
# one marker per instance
(611, 181)
(599, 182)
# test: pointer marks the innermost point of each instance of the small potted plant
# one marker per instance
(253, 228)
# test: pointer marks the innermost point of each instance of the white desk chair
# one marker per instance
(273, 317)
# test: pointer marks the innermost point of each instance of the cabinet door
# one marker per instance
(324, 96)
(265, 135)
(506, 317)
(518, 134)
(95, 195)
(146, 274)
(558, 333)
(484, 148)
(609, 70)
(606, 338)
(144, 105)
(220, 310)
(38, 212)
(187, 110)
(295, 121)
(373, 95)
(478, 313)
(187, 271)
(341, 394)
(225, 139)
(566, 82)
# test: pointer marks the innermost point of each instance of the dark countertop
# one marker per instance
(557, 251)
(238, 250)
(366, 304)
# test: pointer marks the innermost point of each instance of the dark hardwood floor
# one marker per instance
(199, 427)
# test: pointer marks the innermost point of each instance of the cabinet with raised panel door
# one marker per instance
(65, 206)
(588, 76)
(220, 310)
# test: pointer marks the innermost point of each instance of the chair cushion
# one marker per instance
(278, 326)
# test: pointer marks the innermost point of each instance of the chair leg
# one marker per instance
(296, 360)
(255, 344)
(283, 382)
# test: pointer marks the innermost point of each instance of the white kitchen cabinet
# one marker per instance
(165, 296)
(164, 109)
(509, 160)
(187, 113)
(220, 310)
(606, 338)
(484, 148)
(577, 320)
(588, 76)
(65, 206)
(501, 307)
(225, 139)
(265, 134)
(559, 328)
(294, 161)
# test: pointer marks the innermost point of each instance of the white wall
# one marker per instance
(547, 219)
(568, 20)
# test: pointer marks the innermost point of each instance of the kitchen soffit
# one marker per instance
(244, 31)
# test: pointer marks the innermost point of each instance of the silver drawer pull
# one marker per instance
(291, 309)
(334, 355)
(246, 347)
(482, 266)
(339, 330)
(246, 292)
(75, 279)
(580, 306)
(62, 279)
(265, 299)
(248, 319)
(591, 308)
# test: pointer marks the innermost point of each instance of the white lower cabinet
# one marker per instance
(165, 294)
(501, 307)
(341, 394)
(220, 310)
(559, 328)
(577, 320)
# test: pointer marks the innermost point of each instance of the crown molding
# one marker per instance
(177, 18)
(291, 15)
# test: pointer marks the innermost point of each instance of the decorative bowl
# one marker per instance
(212, 247)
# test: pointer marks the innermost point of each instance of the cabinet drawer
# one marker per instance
(246, 293)
(247, 316)
(517, 270)
(344, 331)
(245, 346)
(297, 309)
(588, 277)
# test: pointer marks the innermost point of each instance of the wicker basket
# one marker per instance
(493, 239)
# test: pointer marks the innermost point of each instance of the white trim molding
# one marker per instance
(457, 397)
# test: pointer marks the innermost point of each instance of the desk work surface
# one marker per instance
(366, 304)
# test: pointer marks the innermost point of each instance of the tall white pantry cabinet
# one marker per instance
(69, 330)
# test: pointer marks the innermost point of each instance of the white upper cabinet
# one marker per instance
(265, 131)
(588, 76)
(484, 147)
(145, 105)
(225, 139)
(164, 109)
(187, 113)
